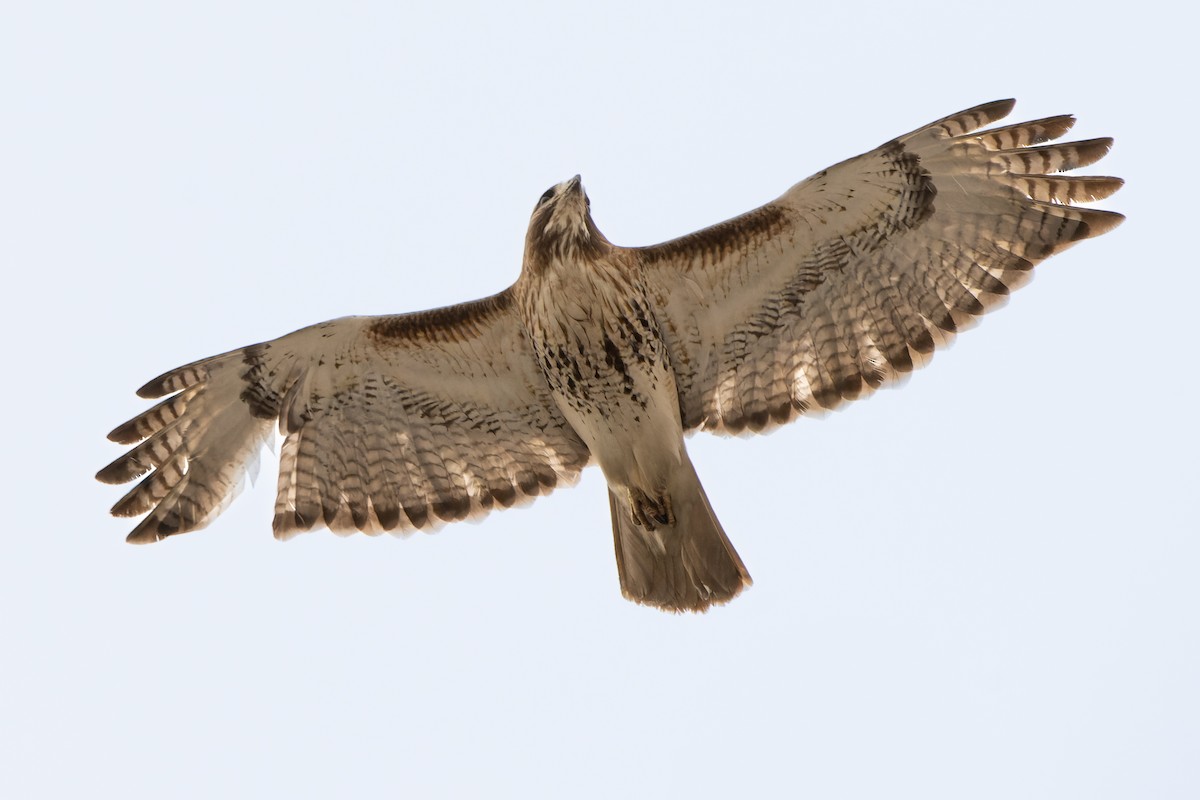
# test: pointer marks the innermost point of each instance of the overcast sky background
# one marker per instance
(982, 585)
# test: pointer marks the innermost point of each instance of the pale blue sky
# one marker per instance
(981, 585)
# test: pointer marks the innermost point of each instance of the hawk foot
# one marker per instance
(651, 512)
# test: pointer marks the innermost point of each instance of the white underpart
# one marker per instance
(635, 446)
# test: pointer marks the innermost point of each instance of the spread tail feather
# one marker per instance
(687, 565)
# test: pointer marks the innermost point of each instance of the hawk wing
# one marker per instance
(854, 276)
(390, 423)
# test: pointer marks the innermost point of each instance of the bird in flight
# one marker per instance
(608, 354)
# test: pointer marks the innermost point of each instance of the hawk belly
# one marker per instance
(598, 343)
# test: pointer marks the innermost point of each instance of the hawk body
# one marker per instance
(848, 281)
(598, 343)
(587, 310)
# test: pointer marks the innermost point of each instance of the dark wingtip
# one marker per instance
(152, 530)
(154, 388)
(125, 433)
(120, 471)
(145, 533)
(1097, 222)
(995, 110)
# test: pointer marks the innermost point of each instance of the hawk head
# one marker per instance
(561, 228)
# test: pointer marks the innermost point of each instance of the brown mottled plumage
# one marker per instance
(849, 280)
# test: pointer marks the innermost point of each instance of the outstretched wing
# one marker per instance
(854, 276)
(390, 423)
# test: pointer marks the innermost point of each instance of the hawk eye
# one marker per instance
(549, 193)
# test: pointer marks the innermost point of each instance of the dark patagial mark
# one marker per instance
(720, 240)
(449, 324)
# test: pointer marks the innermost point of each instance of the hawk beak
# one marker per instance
(575, 184)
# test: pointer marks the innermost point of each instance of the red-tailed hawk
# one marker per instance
(849, 280)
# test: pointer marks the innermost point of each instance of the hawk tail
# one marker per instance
(687, 564)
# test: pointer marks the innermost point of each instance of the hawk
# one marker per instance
(851, 279)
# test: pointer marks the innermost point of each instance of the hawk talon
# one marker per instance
(651, 513)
